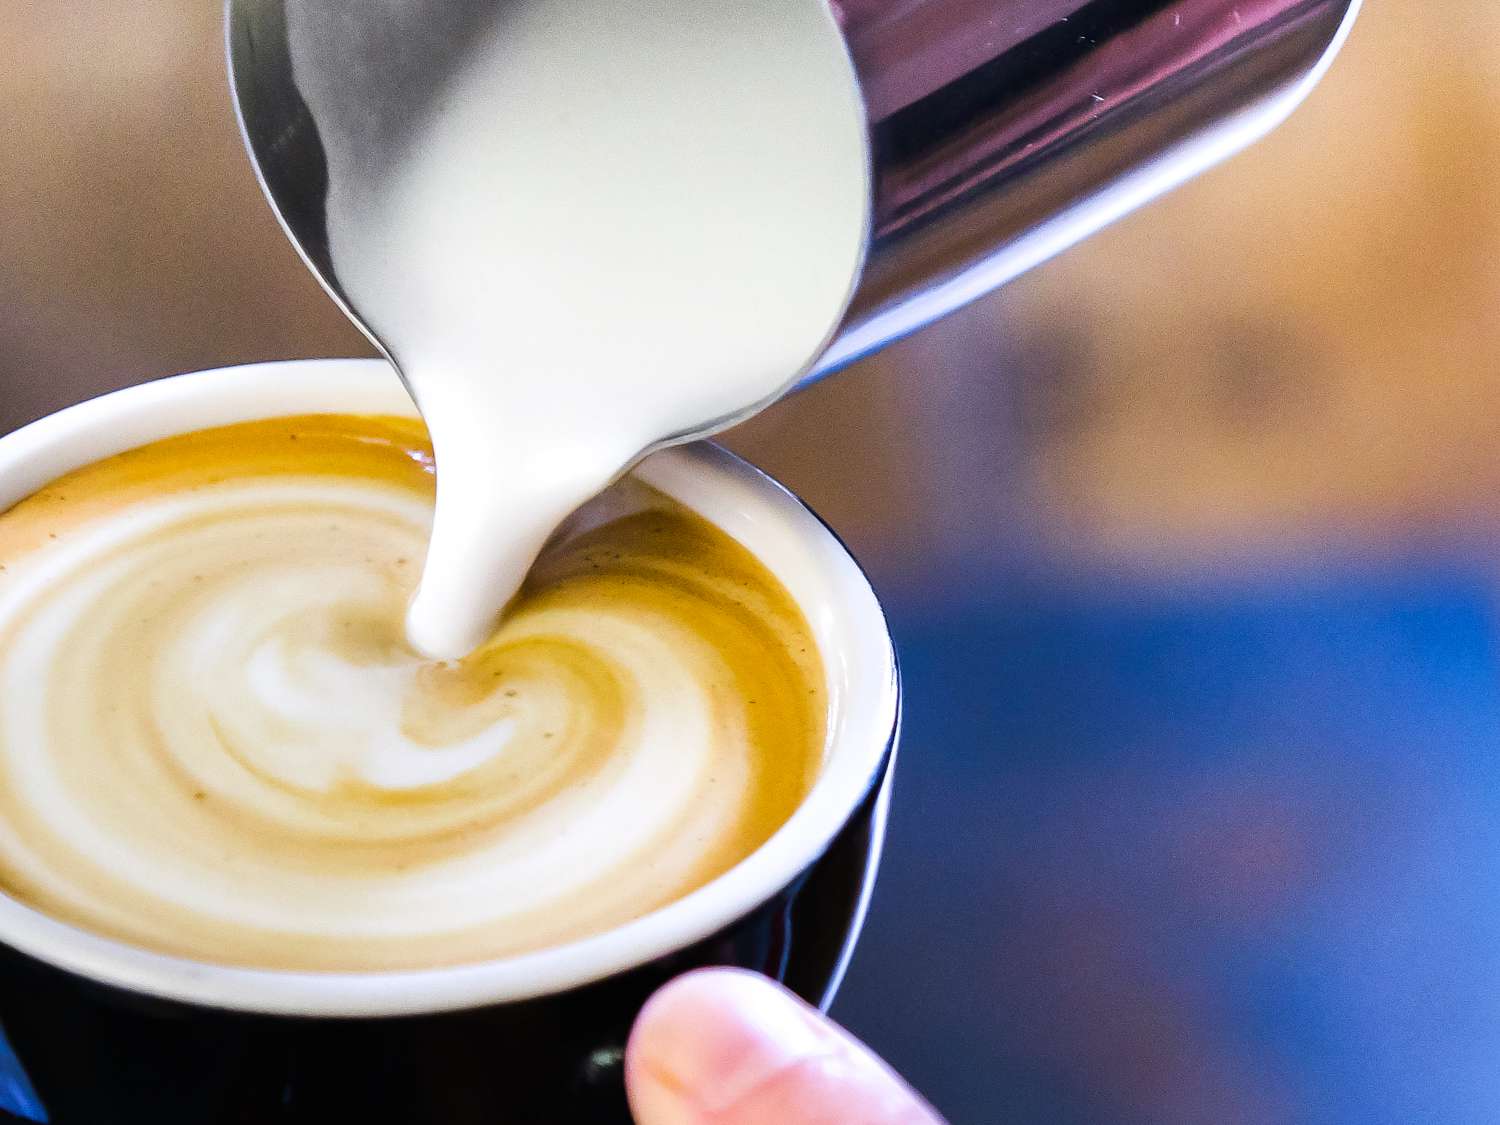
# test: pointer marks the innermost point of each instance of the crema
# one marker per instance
(216, 742)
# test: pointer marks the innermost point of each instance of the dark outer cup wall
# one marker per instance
(97, 1055)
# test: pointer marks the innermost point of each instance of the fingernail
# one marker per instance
(709, 1038)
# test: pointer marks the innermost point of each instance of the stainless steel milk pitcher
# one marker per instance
(1003, 131)
(1006, 130)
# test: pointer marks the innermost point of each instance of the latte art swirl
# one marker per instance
(215, 742)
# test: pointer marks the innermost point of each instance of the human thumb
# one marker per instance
(725, 1047)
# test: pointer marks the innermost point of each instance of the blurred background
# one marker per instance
(1189, 540)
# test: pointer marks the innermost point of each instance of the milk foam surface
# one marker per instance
(215, 741)
(619, 224)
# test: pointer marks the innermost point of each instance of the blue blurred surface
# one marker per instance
(1223, 857)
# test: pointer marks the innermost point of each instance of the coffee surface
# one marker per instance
(216, 742)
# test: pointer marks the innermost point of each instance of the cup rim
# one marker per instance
(817, 569)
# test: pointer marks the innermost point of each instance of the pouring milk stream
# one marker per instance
(619, 226)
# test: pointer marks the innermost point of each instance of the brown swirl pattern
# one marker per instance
(215, 742)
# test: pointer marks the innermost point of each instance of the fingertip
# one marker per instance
(706, 1037)
(731, 1048)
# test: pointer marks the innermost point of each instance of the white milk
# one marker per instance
(623, 224)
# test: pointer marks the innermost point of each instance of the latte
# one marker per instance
(215, 741)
